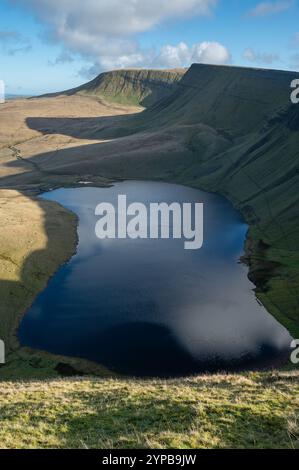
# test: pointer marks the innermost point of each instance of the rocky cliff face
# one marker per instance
(137, 87)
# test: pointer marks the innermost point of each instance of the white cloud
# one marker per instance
(173, 56)
(112, 17)
(211, 53)
(261, 58)
(103, 32)
(271, 8)
(168, 56)
(182, 55)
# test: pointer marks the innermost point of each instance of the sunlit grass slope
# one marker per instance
(133, 87)
(249, 411)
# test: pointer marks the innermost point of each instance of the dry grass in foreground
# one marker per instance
(254, 410)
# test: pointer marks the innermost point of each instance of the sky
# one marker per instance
(52, 45)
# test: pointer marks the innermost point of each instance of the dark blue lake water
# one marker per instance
(149, 307)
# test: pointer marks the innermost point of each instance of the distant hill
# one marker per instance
(15, 97)
(130, 86)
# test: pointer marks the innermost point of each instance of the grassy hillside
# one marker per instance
(133, 87)
(233, 411)
(237, 99)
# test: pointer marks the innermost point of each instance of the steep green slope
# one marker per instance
(132, 86)
(237, 99)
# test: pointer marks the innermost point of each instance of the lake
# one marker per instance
(149, 307)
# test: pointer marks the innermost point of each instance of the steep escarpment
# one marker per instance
(238, 99)
(132, 86)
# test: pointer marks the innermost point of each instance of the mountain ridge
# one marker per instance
(135, 87)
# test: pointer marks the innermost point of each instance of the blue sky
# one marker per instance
(50, 45)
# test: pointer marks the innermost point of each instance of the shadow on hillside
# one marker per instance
(86, 127)
(37, 268)
(128, 417)
(117, 155)
(169, 420)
